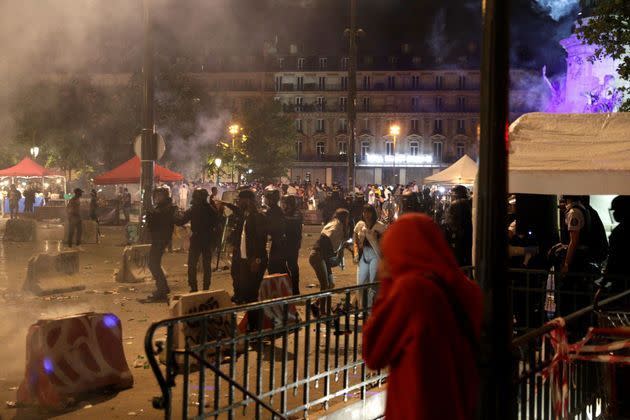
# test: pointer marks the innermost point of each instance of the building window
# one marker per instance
(280, 63)
(415, 82)
(437, 151)
(439, 82)
(323, 63)
(300, 83)
(461, 104)
(299, 103)
(322, 83)
(321, 104)
(344, 63)
(365, 149)
(298, 150)
(391, 82)
(417, 61)
(414, 148)
(460, 150)
(320, 125)
(462, 82)
(437, 126)
(300, 63)
(461, 126)
(415, 104)
(343, 125)
(414, 126)
(389, 148)
(343, 104)
(366, 104)
(368, 59)
(278, 83)
(342, 147)
(320, 148)
(367, 83)
(344, 83)
(439, 102)
(298, 125)
(393, 60)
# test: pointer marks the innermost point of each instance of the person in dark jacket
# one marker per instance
(29, 199)
(93, 211)
(459, 224)
(160, 222)
(14, 201)
(203, 219)
(617, 266)
(293, 239)
(249, 242)
(276, 228)
(73, 211)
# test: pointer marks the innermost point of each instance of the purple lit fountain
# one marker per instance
(590, 86)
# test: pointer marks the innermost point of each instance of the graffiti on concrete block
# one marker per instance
(218, 327)
(139, 258)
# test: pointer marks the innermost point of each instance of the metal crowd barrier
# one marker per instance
(586, 387)
(273, 371)
(294, 365)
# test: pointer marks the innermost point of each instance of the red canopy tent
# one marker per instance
(27, 168)
(129, 173)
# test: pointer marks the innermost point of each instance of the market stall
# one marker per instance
(129, 173)
(462, 172)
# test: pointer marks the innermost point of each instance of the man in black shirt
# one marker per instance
(161, 222)
(293, 239)
(203, 219)
(619, 245)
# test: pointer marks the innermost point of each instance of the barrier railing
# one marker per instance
(581, 395)
(286, 365)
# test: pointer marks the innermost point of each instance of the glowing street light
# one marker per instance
(34, 152)
(394, 131)
(233, 129)
(217, 163)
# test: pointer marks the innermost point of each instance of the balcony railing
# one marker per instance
(289, 108)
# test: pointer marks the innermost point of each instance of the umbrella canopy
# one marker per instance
(129, 173)
(579, 154)
(27, 168)
(463, 172)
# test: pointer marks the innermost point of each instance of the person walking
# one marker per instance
(126, 204)
(293, 221)
(367, 235)
(276, 228)
(425, 325)
(328, 253)
(29, 199)
(203, 220)
(93, 212)
(75, 224)
(14, 201)
(160, 222)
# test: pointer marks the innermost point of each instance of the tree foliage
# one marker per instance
(609, 30)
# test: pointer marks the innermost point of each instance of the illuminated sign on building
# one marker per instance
(399, 159)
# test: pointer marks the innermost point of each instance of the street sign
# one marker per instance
(161, 146)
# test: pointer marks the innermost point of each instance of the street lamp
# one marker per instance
(34, 152)
(394, 131)
(217, 163)
(233, 130)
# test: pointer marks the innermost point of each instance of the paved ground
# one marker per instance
(102, 294)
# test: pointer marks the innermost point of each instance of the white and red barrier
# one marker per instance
(135, 264)
(73, 356)
(274, 286)
(53, 272)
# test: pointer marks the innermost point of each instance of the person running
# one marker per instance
(160, 222)
(14, 201)
(293, 221)
(328, 252)
(425, 325)
(367, 236)
(75, 224)
(203, 219)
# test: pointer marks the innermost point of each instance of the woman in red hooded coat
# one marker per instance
(424, 325)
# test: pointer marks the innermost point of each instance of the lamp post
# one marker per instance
(217, 163)
(34, 152)
(233, 130)
(394, 131)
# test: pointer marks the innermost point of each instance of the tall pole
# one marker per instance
(352, 95)
(233, 157)
(496, 399)
(149, 140)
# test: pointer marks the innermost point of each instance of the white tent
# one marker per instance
(580, 154)
(461, 172)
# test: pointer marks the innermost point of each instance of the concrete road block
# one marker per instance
(274, 286)
(135, 264)
(67, 358)
(52, 273)
(20, 230)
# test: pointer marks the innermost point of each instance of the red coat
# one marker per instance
(413, 331)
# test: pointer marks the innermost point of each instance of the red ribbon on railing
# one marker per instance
(560, 368)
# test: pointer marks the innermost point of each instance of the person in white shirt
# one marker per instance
(367, 235)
